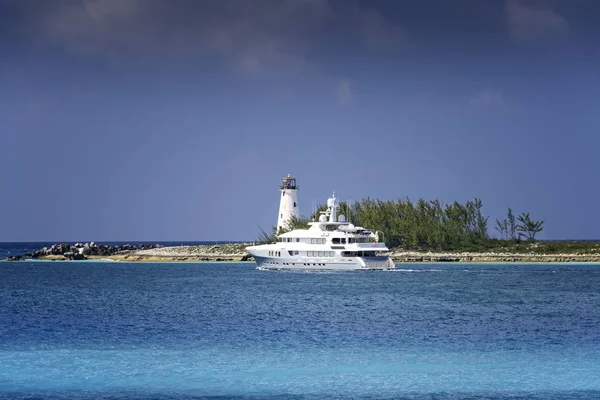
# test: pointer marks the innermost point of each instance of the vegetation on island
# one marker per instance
(438, 227)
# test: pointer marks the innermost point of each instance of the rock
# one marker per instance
(59, 249)
(87, 249)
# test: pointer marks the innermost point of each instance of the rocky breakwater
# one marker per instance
(81, 251)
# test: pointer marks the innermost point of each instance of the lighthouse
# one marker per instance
(288, 203)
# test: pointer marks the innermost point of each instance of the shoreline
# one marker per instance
(236, 253)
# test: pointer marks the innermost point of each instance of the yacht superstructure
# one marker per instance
(330, 243)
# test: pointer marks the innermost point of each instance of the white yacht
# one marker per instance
(329, 244)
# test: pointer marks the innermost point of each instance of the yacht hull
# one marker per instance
(346, 264)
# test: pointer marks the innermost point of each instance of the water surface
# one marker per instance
(195, 330)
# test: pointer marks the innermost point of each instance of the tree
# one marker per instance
(294, 223)
(527, 227)
(512, 225)
(480, 221)
(502, 228)
(266, 238)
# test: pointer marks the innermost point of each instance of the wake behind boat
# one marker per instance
(329, 244)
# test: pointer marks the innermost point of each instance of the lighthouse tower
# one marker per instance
(288, 203)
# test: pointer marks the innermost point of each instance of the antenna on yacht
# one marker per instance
(333, 208)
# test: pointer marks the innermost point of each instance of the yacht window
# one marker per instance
(297, 239)
(343, 240)
(294, 204)
(335, 240)
(320, 254)
(296, 252)
(291, 252)
(312, 240)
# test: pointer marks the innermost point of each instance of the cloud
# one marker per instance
(487, 99)
(251, 36)
(532, 24)
(343, 92)
(378, 33)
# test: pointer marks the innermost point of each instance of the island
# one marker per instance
(539, 251)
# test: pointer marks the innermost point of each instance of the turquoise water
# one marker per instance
(217, 330)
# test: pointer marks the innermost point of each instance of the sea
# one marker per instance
(115, 330)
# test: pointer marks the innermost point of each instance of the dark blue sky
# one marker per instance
(176, 120)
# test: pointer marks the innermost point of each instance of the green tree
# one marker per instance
(502, 228)
(265, 237)
(527, 227)
(294, 223)
(512, 225)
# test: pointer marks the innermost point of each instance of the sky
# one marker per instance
(160, 120)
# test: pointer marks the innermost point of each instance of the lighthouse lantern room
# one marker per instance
(288, 203)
